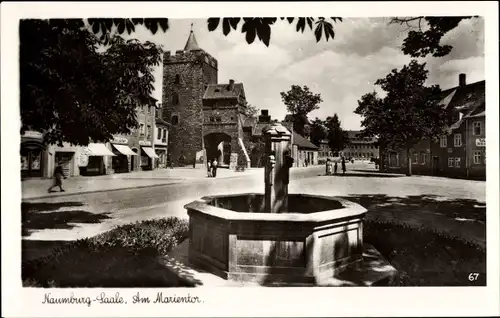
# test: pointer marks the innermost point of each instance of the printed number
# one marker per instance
(473, 276)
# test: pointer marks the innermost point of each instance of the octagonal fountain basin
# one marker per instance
(232, 236)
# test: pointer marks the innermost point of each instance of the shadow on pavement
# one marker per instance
(42, 216)
(466, 210)
(363, 175)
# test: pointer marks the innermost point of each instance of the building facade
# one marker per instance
(205, 116)
(361, 148)
(462, 151)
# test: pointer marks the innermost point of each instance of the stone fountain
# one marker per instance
(277, 237)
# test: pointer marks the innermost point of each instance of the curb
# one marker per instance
(64, 194)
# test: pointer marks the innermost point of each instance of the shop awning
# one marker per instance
(98, 150)
(125, 150)
(149, 151)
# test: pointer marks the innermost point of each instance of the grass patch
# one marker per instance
(427, 258)
(127, 256)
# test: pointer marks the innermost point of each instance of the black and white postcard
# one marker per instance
(229, 159)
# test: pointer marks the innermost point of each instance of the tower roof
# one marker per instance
(191, 44)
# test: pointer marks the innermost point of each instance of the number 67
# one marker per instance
(473, 276)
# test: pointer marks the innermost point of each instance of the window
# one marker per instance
(423, 156)
(477, 157)
(175, 98)
(477, 129)
(177, 78)
(164, 134)
(451, 161)
(415, 158)
(158, 134)
(457, 140)
(149, 131)
(457, 162)
(149, 110)
(443, 142)
(142, 129)
(175, 120)
(218, 119)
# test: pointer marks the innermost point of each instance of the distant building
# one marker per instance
(161, 140)
(361, 148)
(460, 153)
(304, 152)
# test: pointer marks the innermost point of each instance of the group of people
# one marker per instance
(333, 164)
(212, 168)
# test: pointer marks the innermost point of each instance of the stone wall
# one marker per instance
(195, 70)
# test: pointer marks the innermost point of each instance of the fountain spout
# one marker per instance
(277, 168)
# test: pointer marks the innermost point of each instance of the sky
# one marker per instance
(341, 70)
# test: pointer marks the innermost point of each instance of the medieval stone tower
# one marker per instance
(186, 75)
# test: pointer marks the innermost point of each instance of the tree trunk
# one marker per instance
(408, 155)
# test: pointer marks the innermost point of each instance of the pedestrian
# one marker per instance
(194, 162)
(214, 168)
(209, 169)
(328, 167)
(58, 176)
(343, 165)
(335, 167)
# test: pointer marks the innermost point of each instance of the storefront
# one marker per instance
(161, 152)
(94, 159)
(33, 155)
(147, 157)
(121, 162)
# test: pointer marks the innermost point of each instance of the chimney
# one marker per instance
(461, 80)
(264, 116)
(231, 85)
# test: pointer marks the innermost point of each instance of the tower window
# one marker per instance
(175, 120)
(175, 98)
(177, 79)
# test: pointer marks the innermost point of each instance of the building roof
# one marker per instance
(468, 100)
(303, 143)
(289, 118)
(222, 91)
(192, 44)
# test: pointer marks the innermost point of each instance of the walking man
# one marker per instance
(343, 165)
(335, 167)
(58, 176)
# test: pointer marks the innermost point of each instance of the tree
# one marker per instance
(300, 101)
(73, 92)
(319, 131)
(409, 113)
(338, 139)
(250, 110)
(420, 42)
(251, 27)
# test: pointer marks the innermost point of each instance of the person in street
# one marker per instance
(214, 168)
(194, 162)
(335, 167)
(58, 176)
(343, 165)
(209, 169)
(328, 167)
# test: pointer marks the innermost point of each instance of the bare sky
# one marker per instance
(342, 70)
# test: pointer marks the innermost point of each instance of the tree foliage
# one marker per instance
(410, 111)
(300, 101)
(338, 139)
(74, 91)
(250, 110)
(318, 132)
(420, 42)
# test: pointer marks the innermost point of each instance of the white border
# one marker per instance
(470, 301)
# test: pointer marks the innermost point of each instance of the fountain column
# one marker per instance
(277, 169)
